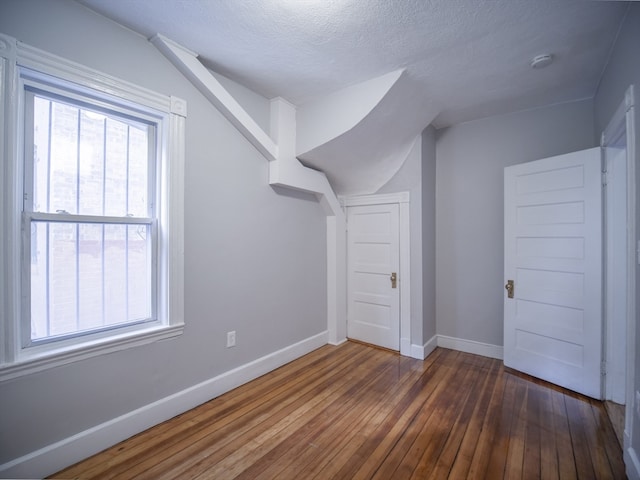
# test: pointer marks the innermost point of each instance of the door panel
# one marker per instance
(553, 252)
(373, 254)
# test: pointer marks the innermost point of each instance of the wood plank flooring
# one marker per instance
(357, 412)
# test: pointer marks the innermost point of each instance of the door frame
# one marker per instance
(615, 266)
(404, 275)
(624, 119)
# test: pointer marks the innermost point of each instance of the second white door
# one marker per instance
(373, 261)
(553, 266)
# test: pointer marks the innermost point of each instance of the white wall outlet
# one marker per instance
(231, 339)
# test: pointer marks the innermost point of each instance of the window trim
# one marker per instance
(16, 361)
(35, 85)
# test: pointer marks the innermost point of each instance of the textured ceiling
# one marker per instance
(461, 60)
(471, 57)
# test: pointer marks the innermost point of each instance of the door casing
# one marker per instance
(404, 278)
(623, 123)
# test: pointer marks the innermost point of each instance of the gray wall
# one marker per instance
(240, 235)
(469, 207)
(623, 70)
(408, 179)
(428, 233)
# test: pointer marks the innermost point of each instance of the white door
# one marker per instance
(373, 314)
(553, 255)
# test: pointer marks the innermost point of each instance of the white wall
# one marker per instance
(408, 179)
(469, 207)
(255, 260)
(623, 70)
(255, 105)
(428, 234)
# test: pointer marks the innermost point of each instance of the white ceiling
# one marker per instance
(464, 59)
(471, 55)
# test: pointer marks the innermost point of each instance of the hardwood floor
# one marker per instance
(616, 414)
(357, 412)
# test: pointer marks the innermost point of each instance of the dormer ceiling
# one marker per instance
(461, 59)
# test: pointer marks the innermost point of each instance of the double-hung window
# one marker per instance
(89, 208)
(96, 230)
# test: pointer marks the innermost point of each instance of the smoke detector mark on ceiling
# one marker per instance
(541, 61)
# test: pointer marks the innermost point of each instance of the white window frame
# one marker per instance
(17, 359)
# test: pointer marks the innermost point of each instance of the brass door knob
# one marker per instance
(509, 286)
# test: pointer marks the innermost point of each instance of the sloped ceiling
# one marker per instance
(462, 59)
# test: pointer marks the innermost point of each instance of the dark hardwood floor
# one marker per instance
(357, 412)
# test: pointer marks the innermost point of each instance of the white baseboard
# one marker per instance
(632, 464)
(59, 455)
(339, 342)
(470, 346)
(430, 346)
(422, 351)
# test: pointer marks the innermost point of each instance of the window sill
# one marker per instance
(28, 364)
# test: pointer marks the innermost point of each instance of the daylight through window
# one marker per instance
(91, 215)
(88, 200)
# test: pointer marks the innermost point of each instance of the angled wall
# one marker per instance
(409, 179)
(360, 136)
(428, 138)
(255, 260)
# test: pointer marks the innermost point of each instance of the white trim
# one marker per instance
(9, 201)
(284, 168)
(402, 199)
(340, 342)
(59, 455)
(405, 269)
(27, 364)
(286, 171)
(172, 214)
(170, 114)
(632, 464)
(430, 346)
(423, 351)
(471, 346)
(633, 259)
(50, 64)
(376, 199)
(188, 64)
(622, 122)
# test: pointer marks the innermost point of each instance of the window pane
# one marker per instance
(41, 154)
(138, 272)
(88, 276)
(138, 165)
(116, 148)
(63, 158)
(87, 162)
(91, 164)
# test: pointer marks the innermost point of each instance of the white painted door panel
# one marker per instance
(553, 253)
(373, 255)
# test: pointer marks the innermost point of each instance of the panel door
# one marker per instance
(553, 255)
(373, 257)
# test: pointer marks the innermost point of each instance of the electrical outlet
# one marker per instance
(231, 339)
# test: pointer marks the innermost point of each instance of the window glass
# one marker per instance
(88, 163)
(87, 276)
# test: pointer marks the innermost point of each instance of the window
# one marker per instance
(97, 229)
(88, 205)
